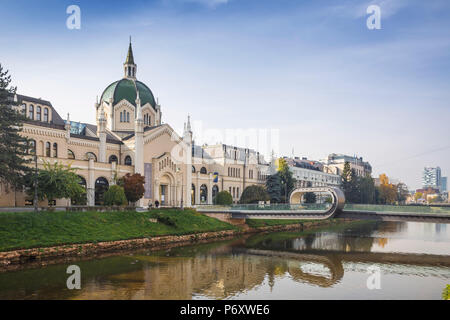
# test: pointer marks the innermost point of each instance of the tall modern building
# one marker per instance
(444, 184)
(432, 178)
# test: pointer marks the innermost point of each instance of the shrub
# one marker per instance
(254, 194)
(223, 198)
(167, 220)
(115, 196)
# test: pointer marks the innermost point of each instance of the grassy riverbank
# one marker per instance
(22, 230)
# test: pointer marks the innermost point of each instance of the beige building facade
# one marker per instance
(129, 137)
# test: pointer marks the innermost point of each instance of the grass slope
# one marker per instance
(30, 230)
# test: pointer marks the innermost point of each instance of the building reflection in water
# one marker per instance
(229, 269)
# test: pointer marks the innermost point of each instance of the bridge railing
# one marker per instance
(394, 208)
(270, 207)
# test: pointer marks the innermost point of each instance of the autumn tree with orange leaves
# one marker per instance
(133, 186)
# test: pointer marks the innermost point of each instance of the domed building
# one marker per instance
(120, 100)
(129, 137)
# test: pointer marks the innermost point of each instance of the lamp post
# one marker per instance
(35, 201)
(182, 189)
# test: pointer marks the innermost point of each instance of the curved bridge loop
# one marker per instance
(294, 210)
(337, 196)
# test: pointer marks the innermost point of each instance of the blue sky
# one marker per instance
(310, 69)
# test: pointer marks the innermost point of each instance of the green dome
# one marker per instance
(125, 89)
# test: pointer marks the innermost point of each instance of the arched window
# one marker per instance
(203, 193)
(46, 115)
(101, 186)
(38, 113)
(55, 150)
(193, 169)
(31, 112)
(121, 116)
(112, 159)
(32, 147)
(70, 154)
(128, 161)
(82, 199)
(24, 109)
(203, 170)
(128, 117)
(47, 149)
(91, 155)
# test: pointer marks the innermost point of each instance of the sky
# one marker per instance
(310, 73)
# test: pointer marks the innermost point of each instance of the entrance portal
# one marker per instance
(163, 194)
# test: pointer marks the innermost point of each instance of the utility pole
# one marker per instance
(35, 201)
(182, 189)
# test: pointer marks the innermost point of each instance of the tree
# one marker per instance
(348, 182)
(55, 181)
(287, 180)
(387, 194)
(223, 198)
(366, 185)
(133, 186)
(115, 196)
(13, 146)
(418, 195)
(310, 197)
(254, 194)
(273, 187)
(402, 192)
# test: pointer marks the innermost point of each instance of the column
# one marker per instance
(210, 189)
(197, 189)
(156, 191)
(90, 188)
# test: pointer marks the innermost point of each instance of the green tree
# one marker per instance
(13, 146)
(366, 186)
(287, 180)
(115, 196)
(273, 187)
(254, 194)
(223, 198)
(133, 186)
(346, 181)
(310, 197)
(55, 181)
(402, 192)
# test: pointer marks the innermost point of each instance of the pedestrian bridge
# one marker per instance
(295, 209)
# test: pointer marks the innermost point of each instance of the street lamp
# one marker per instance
(35, 201)
(182, 185)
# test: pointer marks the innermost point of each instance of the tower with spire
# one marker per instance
(130, 68)
(187, 139)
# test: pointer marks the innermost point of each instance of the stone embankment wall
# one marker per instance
(24, 256)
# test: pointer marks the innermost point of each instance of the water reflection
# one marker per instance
(275, 266)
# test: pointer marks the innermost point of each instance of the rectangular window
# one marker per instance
(45, 115)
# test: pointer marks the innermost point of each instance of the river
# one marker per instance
(361, 260)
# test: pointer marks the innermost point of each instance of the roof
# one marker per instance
(56, 121)
(126, 89)
(131, 135)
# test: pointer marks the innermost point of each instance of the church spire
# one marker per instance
(130, 67)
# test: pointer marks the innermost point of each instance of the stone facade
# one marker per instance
(129, 137)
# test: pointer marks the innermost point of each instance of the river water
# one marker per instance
(360, 260)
